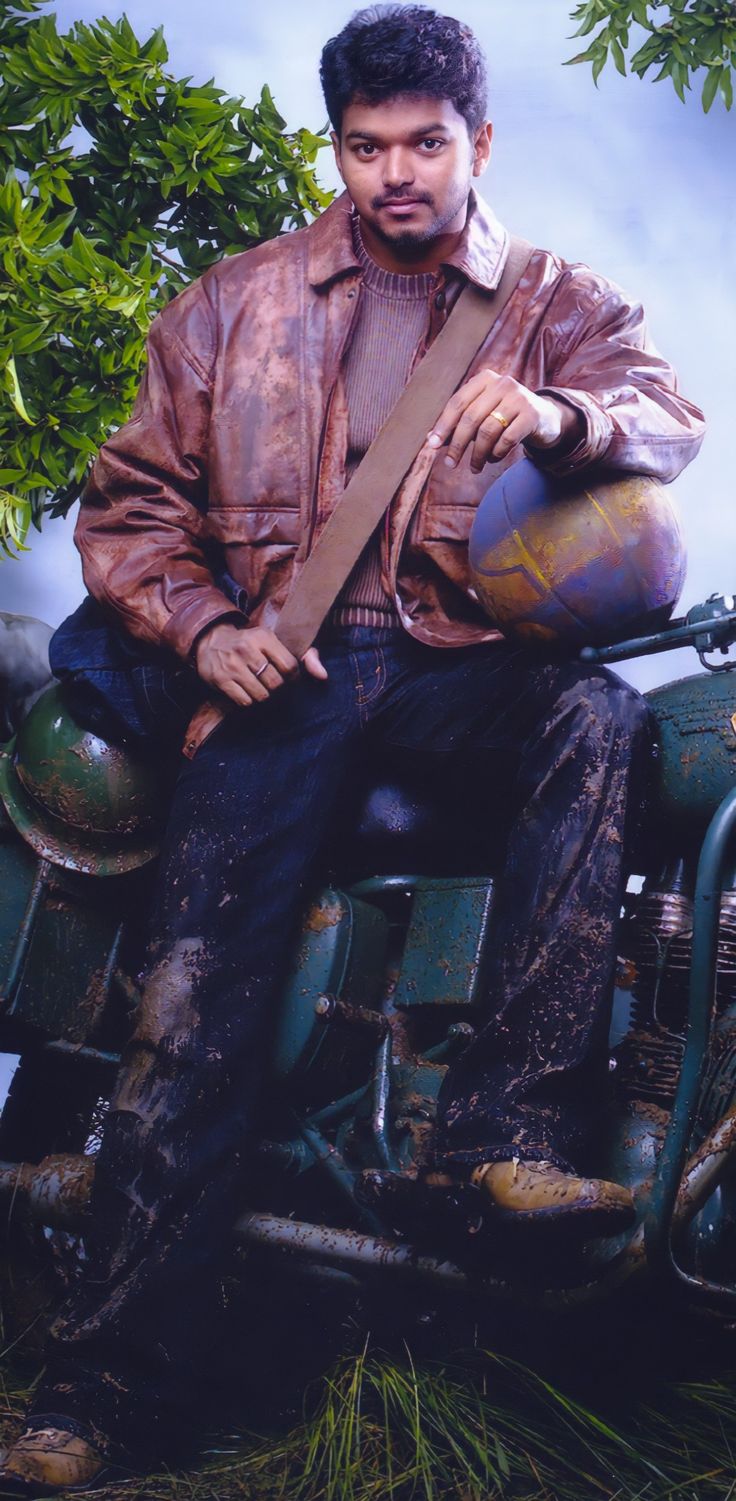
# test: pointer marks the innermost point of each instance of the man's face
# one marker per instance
(407, 164)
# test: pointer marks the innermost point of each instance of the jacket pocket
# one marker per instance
(255, 526)
(449, 523)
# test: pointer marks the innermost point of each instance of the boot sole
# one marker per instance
(31, 1488)
(582, 1222)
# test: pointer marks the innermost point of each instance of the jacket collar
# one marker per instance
(480, 254)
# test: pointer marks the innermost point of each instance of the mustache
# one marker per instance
(377, 203)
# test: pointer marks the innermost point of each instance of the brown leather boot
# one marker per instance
(44, 1461)
(542, 1195)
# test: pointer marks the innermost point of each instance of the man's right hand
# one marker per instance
(230, 658)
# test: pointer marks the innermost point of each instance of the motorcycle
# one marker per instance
(386, 988)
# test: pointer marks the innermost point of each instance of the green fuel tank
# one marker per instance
(696, 719)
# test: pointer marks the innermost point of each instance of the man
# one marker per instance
(266, 383)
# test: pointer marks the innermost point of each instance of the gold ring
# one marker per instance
(262, 669)
(499, 417)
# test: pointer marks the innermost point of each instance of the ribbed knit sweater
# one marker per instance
(391, 322)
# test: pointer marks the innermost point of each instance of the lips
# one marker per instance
(402, 205)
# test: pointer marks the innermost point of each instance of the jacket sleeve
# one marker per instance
(634, 418)
(141, 526)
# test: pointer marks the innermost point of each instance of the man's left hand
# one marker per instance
(495, 412)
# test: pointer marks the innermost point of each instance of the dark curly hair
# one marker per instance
(404, 49)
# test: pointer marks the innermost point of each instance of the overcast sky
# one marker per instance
(623, 177)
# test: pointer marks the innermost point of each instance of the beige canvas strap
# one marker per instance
(382, 469)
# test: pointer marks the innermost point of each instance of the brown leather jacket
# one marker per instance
(235, 452)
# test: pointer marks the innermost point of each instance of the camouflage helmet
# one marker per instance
(78, 800)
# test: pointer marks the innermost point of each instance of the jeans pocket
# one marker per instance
(165, 699)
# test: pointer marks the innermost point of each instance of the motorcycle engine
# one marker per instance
(657, 944)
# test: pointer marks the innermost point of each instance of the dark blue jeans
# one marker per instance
(249, 816)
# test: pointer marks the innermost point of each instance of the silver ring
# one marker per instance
(261, 670)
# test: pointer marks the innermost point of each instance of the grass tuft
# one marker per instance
(482, 1427)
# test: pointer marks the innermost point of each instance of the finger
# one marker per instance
(251, 657)
(271, 679)
(236, 694)
(281, 657)
(488, 438)
(451, 414)
(515, 433)
(495, 442)
(255, 651)
(314, 665)
(466, 430)
(246, 680)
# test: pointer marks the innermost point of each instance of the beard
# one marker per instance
(407, 239)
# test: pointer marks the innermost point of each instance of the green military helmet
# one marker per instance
(78, 800)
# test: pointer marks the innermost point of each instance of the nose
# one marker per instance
(398, 167)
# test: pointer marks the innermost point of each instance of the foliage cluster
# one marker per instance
(120, 183)
(683, 37)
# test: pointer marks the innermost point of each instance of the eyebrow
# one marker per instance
(423, 130)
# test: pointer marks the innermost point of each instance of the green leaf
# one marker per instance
(15, 516)
(617, 53)
(710, 88)
(155, 48)
(583, 57)
(599, 64)
(12, 384)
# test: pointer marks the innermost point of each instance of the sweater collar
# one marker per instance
(480, 254)
(395, 286)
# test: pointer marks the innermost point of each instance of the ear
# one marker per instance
(482, 148)
(334, 137)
